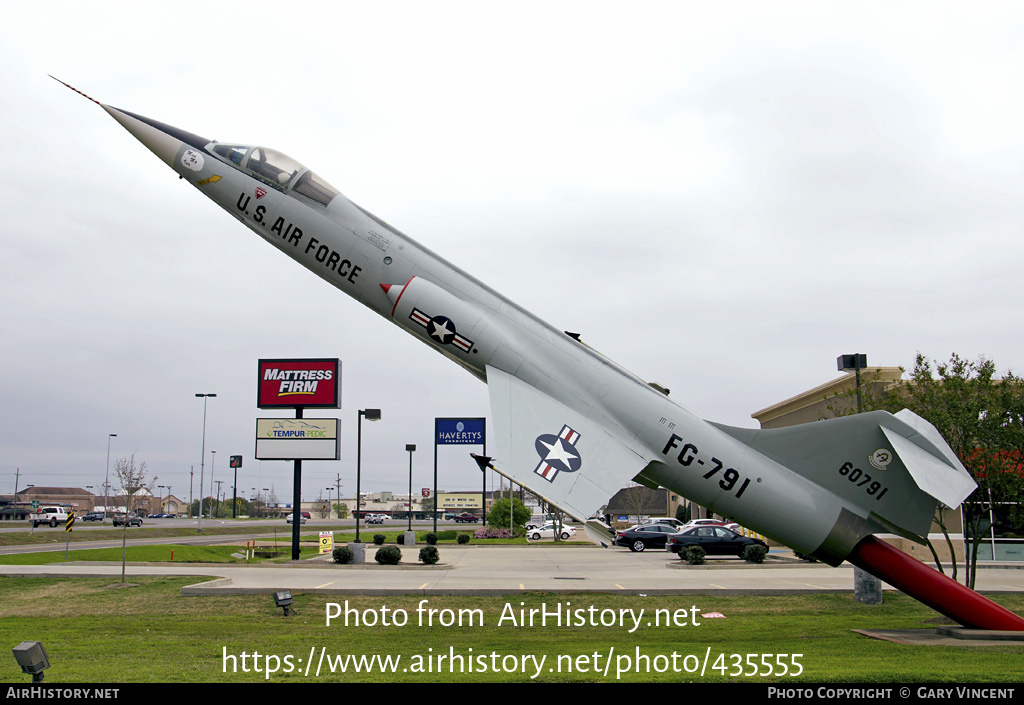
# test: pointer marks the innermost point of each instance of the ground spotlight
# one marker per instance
(31, 656)
(283, 599)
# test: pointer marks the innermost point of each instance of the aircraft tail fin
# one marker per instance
(895, 467)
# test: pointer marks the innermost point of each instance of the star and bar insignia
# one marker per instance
(557, 453)
(441, 329)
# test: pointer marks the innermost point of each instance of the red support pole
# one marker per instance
(931, 587)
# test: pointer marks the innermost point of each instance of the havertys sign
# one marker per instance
(312, 383)
(459, 431)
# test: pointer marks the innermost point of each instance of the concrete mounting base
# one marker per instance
(358, 552)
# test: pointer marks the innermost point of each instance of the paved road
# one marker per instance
(508, 570)
(261, 525)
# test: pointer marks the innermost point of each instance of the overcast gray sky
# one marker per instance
(721, 197)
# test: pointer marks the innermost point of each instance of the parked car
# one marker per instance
(643, 537)
(160, 516)
(49, 515)
(375, 518)
(702, 522)
(93, 516)
(121, 519)
(548, 531)
(305, 515)
(675, 523)
(667, 521)
(715, 540)
(288, 519)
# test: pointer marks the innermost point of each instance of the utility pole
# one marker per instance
(213, 457)
(191, 472)
(217, 496)
(337, 484)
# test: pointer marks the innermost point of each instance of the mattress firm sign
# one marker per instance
(299, 383)
(297, 439)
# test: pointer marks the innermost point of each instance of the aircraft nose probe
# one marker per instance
(161, 139)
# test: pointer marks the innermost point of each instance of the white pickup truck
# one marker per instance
(49, 515)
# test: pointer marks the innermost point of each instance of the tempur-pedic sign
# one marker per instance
(297, 439)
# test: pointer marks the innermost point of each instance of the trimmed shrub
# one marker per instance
(388, 555)
(694, 555)
(342, 554)
(400, 539)
(378, 539)
(431, 540)
(463, 538)
(429, 555)
(755, 553)
(449, 535)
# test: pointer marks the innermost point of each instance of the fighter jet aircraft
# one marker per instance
(574, 426)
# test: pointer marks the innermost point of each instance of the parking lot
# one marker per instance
(512, 569)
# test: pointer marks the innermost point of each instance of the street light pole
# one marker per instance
(410, 447)
(855, 362)
(371, 415)
(106, 482)
(202, 460)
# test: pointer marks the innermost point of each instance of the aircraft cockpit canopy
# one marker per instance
(277, 169)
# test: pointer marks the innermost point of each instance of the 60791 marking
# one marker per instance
(861, 478)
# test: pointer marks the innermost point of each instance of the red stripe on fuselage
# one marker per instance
(400, 295)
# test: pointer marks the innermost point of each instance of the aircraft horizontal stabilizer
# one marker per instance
(943, 477)
(557, 452)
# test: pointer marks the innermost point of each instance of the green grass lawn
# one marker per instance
(283, 532)
(95, 632)
(48, 536)
(146, 554)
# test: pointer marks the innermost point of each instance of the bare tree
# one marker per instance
(134, 485)
(639, 501)
(322, 508)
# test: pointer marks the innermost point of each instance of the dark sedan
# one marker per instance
(715, 540)
(644, 537)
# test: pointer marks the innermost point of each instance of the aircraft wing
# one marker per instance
(567, 458)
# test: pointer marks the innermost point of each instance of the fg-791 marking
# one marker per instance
(688, 453)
